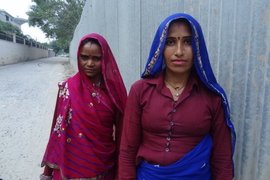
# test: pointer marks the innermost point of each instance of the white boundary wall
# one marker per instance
(11, 52)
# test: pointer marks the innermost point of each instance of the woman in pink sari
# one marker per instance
(85, 134)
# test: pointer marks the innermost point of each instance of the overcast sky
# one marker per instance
(18, 8)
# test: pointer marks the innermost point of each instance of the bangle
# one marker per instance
(43, 177)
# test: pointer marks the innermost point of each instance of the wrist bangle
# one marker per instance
(43, 177)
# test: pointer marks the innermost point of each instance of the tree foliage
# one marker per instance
(56, 48)
(7, 27)
(57, 19)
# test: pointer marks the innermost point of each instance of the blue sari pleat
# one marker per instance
(193, 166)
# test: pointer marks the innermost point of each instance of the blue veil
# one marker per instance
(155, 62)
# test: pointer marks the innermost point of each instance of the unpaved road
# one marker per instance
(27, 98)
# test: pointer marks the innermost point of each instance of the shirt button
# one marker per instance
(68, 140)
(167, 144)
(80, 135)
(94, 94)
(168, 138)
(174, 110)
(167, 149)
(171, 123)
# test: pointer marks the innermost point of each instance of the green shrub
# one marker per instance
(9, 28)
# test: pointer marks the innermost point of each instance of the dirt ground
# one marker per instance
(27, 98)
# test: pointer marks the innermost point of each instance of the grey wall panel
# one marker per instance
(237, 34)
(129, 40)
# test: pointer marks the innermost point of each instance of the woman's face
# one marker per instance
(178, 53)
(90, 60)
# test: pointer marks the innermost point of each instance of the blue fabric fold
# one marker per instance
(193, 166)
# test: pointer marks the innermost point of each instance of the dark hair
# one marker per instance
(182, 20)
(91, 40)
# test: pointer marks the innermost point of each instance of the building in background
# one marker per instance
(16, 21)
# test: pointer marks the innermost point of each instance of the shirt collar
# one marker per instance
(158, 81)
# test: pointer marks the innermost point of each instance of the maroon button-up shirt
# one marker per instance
(160, 130)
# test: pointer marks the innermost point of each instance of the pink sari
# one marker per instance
(81, 143)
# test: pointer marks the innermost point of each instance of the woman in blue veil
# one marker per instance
(177, 120)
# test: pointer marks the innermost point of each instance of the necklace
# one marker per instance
(98, 84)
(176, 88)
(96, 89)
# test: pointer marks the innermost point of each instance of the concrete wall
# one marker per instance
(11, 52)
(237, 35)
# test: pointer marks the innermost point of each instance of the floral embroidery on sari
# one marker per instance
(57, 127)
(63, 90)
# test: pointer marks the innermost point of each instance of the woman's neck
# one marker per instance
(176, 79)
(96, 80)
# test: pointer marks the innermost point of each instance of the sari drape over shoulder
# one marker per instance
(81, 143)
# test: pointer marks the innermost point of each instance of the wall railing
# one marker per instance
(21, 40)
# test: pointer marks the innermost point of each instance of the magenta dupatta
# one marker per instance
(81, 144)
